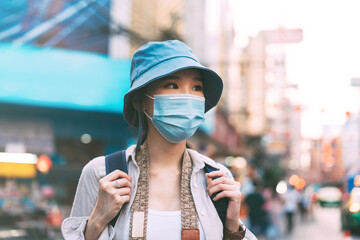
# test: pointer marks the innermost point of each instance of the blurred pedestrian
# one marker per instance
(275, 212)
(166, 193)
(304, 205)
(291, 201)
(247, 185)
(255, 203)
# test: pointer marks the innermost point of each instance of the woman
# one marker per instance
(166, 194)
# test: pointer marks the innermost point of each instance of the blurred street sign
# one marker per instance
(17, 165)
(17, 170)
(355, 82)
(283, 36)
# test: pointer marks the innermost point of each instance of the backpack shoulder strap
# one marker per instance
(222, 204)
(116, 160)
(113, 161)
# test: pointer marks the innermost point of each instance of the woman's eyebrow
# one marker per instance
(198, 79)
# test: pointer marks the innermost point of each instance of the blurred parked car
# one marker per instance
(350, 211)
(329, 196)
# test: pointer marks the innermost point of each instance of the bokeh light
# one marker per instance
(281, 187)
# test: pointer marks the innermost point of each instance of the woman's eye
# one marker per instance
(198, 88)
(172, 86)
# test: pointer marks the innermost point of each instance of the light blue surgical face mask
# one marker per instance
(177, 116)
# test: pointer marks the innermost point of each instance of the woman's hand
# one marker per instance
(112, 195)
(226, 187)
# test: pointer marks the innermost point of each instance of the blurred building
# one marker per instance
(253, 72)
(333, 157)
(349, 138)
(312, 173)
(269, 110)
(331, 162)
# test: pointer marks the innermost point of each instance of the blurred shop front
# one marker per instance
(65, 108)
(70, 138)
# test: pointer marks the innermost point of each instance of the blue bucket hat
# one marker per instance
(156, 60)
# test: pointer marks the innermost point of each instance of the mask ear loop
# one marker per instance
(138, 144)
(144, 110)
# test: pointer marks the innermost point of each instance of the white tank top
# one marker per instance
(163, 225)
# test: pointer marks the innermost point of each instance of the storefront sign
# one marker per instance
(57, 78)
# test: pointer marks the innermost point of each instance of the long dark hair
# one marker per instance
(135, 113)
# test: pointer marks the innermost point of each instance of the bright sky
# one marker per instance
(323, 63)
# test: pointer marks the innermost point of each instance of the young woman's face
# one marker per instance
(187, 81)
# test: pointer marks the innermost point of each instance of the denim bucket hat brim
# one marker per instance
(156, 60)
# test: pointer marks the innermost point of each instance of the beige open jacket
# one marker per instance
(87, 189)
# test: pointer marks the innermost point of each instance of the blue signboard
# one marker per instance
(62, 78)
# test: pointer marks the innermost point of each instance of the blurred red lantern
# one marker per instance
(348, 114)
(293, 179)
(43, 164)
(300, 184)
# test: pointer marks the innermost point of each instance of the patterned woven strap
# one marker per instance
(139, 209)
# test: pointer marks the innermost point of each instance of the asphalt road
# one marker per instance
(325, 224)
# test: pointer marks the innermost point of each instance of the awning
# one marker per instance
(59, 78)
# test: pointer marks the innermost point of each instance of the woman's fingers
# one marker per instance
(123, 191)
(232, 194)
(121, 183)
(215, 174)
(121, 196)
(115, 175)
(110, 181)
(220, 180)
(121, 200)
(114, 190)
(225, 187)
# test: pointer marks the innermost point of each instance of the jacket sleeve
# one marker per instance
(73, 227)
(249, 235)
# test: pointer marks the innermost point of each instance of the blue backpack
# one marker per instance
(117, 160)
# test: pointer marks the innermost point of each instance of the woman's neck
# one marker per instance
(162, 152)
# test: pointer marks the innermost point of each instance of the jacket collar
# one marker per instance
(198, 159)
(130, 154)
